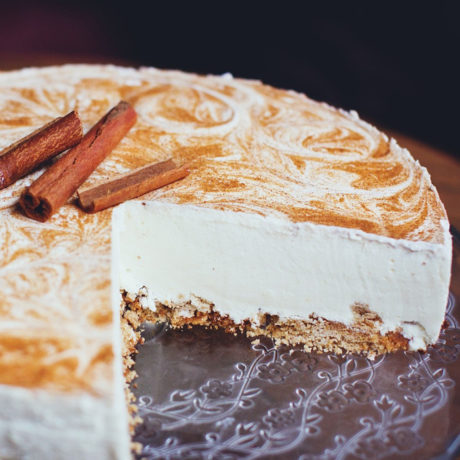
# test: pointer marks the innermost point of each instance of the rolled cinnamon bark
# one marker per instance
(51, 190)
(132, 185)
(23, 156)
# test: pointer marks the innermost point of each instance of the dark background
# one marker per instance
(394, 62)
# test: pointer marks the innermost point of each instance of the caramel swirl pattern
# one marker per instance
(252, 148)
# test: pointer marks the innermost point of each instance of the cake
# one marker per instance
(297, 221)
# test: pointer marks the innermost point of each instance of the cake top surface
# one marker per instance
(251, 148)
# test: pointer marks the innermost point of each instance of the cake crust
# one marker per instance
(315, 333)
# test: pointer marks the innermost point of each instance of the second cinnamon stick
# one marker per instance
(51, 190)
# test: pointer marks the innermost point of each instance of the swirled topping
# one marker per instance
(252, 148)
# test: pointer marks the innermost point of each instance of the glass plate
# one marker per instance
(207, 394)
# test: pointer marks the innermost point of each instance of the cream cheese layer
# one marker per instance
(247, 264)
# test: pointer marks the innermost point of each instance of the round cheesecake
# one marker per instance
(297, 221)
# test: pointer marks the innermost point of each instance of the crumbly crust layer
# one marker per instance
(315, 334)
(130, 338)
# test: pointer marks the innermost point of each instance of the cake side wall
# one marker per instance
(43, 425)
(247, 264)
(122, 377)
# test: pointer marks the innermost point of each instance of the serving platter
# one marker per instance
(207, 394)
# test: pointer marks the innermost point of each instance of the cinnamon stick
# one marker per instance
(46, 142)
(131, 186)
(51, 190)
